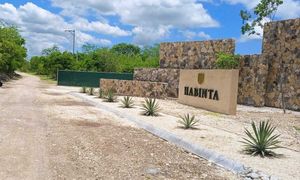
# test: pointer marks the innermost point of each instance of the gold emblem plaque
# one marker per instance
(200, 78)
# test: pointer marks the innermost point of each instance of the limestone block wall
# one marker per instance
(281, 49)
(252, 80)
(170, 76)
(193, 55)
(135, 88)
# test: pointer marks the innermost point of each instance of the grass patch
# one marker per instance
(47, 78)
(43, 77)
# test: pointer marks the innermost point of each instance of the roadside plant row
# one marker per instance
(260, 141)
(119, 58)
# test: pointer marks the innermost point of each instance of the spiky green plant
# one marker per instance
(101, 93)
(188, 121)
(127, 102)
(91, 91)
(110, 96)
(83, 89)
(262, 142)
(150, 107)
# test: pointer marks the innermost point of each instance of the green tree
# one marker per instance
(12, 50)
(88, 48)
(126, 49)
(37, 65)
(59, 61)
(150, 52)
(94, 59)
(264, 9)
(48, 51)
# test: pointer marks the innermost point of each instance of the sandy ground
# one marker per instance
(223, 133)
(47, 134)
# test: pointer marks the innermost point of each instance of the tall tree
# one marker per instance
(12, 49)
(264, 9)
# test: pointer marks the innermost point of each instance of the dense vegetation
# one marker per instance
(119, 58)
(227, 61)
(12, 50)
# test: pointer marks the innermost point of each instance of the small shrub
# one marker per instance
(227, 61)
(101, 93)
(127, 102)
(262, 142)
(188, 121)
(150, 107)
(110, 96)
(83, 89)
(91, 91)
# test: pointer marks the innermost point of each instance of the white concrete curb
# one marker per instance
(210, 155)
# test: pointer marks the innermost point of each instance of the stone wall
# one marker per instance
(260, 75)
(170, 76)
(135, 88)
(252, 80)
(281, 49)
(193, 55)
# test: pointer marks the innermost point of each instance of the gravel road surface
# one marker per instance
(47, 134)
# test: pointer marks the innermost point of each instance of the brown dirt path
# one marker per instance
(47, 134)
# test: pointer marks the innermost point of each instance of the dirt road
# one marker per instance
(47, 134)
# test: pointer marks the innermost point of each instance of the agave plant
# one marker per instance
(83, 89)
(127, 102)
(150, 107)
(101, 93)
(188, 121)
(91, 91)
(262, 142)
(110, 96)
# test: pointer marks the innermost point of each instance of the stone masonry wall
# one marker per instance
(281, 49)
(193, 55)
(260, 75)
(135, 88)
(170, 76)
(252, 80)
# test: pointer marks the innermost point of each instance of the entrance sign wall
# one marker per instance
(214, 90)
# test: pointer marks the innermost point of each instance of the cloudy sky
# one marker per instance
(142, 22)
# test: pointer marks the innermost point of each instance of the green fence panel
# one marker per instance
(88, 79)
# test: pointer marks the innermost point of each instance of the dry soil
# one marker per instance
(47, 134)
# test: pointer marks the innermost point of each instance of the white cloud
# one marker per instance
(174, 13)
(156, 17)
(189, 34)
(151, 21)
(204, 35)
(144, 35)
(289, 9)
(43, 29)
(193, 35)
(99, 27)
(82, 7)
(259, 33)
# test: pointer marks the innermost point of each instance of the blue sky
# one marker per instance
(105, 23)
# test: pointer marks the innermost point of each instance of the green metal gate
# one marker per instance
(88, 79)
